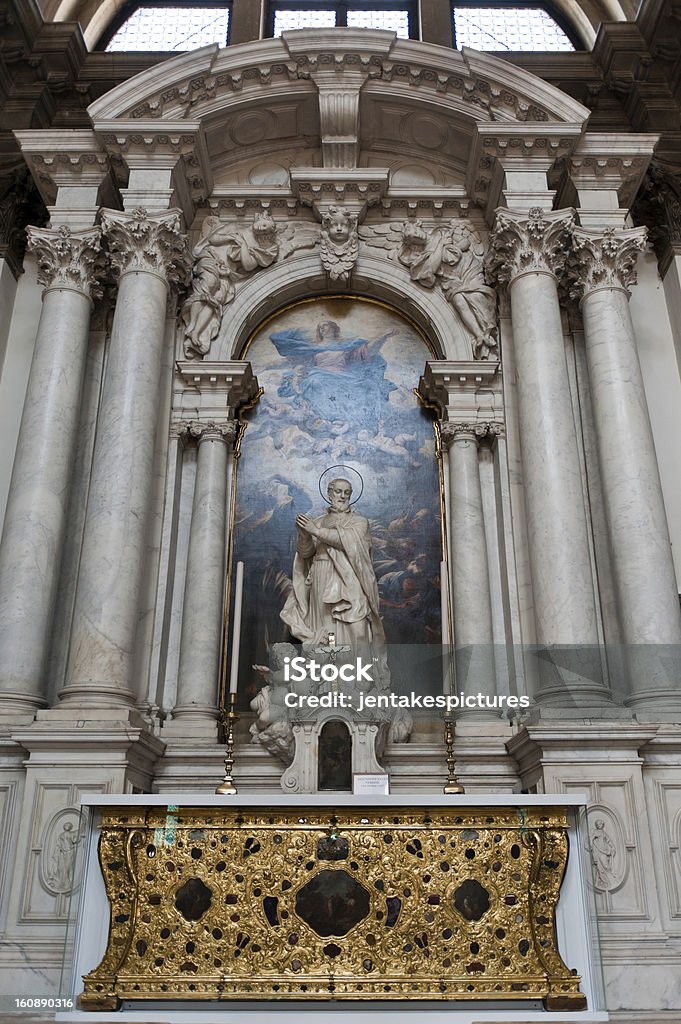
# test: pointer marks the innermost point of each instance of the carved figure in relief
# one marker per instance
(449, 256)
(603, 852)
(339, 243)
(63, 858)
(272, 728)
(222, 256)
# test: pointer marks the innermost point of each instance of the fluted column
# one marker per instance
(469, 567)
(33, 534)
(648, 605)
(149, 253)
(202, 616)
(527, 253)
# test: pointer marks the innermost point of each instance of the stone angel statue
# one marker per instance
(223, 254)
(451, 257)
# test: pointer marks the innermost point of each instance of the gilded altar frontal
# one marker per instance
(410, 904)
(340, 511)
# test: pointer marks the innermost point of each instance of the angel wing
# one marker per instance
(296, 236)
(387, 237)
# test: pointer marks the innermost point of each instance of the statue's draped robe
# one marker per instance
(334, 584)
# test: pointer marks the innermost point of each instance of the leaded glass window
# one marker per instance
(508, 26)
(172, 27)
(391, 15)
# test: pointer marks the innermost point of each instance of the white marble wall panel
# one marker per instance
(11, 788)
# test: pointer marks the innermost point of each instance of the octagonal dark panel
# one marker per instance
(471, 899)
(332, 903)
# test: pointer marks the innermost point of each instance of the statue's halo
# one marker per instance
(326, 478)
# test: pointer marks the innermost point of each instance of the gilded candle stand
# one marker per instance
(397, 903)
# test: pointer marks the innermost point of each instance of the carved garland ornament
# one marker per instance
(289, 904)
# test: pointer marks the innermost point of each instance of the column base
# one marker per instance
(96, 695)
(24, 705)
(482, 762)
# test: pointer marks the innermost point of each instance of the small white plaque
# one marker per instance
(370, 785)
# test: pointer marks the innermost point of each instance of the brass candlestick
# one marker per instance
(229, 719)
(451, 785)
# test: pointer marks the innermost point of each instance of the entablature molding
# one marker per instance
(210, 393)
(464, 392)
(72, 172)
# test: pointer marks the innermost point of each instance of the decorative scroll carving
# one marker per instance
(66, 258)
(455, 903)
(147, 242)
(605, 259)
(534, 242)
(450, 256)
(339, 243)
(224, 254)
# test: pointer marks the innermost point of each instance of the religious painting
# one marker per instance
(338, 378)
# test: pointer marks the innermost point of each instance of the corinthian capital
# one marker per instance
(451, 432)
(68, 259)
(519, 243)
(147, 242)
(604, 259)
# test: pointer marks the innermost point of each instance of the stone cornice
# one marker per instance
(213, 392)
(500, 149)
(64, 157)
(204, 80)
(175, 146)
(465, 392)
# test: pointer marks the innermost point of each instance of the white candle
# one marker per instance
(444, 612)
(236, 627)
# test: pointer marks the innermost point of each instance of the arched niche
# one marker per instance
(341, 396)
(335, 757)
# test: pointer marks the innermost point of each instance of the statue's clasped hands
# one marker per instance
(307, 525)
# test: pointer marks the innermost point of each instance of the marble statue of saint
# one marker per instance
(63, 858)
(602, 854)
(334, 583)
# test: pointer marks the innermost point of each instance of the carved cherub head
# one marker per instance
(338, 224)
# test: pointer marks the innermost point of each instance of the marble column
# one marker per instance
(603, 265)
(33, 534)
(149, 253)
(469, 567)
(527, 252)
(202, 615)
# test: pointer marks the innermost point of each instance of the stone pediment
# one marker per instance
(341, 99)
